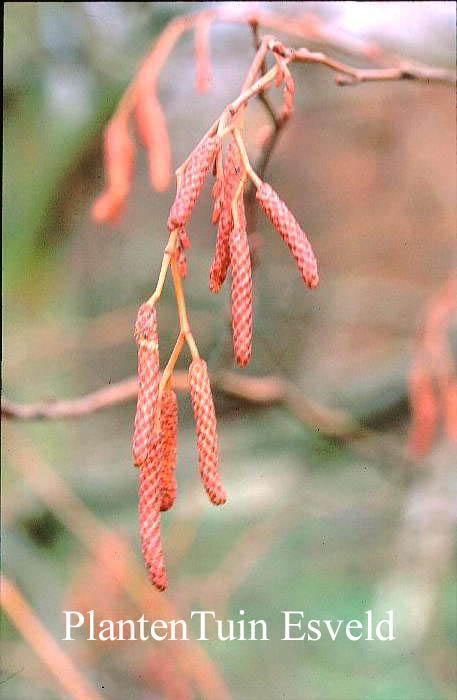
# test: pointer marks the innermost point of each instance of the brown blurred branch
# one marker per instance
(352, 76)
(258, 390)
(36, 634)
(49, 486)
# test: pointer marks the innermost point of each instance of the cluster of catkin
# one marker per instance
(155, 433)
(433, 380)
(155, 440)
(232, 245)
(119, 150)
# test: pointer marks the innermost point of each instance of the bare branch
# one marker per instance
(268, 390)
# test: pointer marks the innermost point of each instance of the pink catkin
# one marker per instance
(202, 55)
(147, 339)
(192, 181)
(152, 127)
(205, 419)
(218, 196)
(290, 231)
(149, 504)
(449, 399)
(169, 430)
(119, 163)
(240, 260)
(425, 411)
(221, 260)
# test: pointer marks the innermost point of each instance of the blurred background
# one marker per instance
(329, 526)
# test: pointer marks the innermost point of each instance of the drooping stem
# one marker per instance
(168, 254)
(182, 310)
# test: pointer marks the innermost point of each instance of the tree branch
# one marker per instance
(270, 390)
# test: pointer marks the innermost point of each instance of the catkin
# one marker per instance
(149, 504)
(192, 181)
(152, 127)
(240, 260)
(218, 196)
(119, 163)
(221, 260)
(449, 394)
(425, 411)
(290, 231)
(147, 339)
(169, 429)
(205, 419)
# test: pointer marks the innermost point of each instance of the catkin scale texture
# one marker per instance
(169, 431)
(241, 295)
(221, 260)
(149, 504)
(146, 337)
(290, 231)
(218, 196)
(205, 419)
(192, 181)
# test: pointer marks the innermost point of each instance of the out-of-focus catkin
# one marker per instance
(425, 411)
(119, 163)
(169, 431)
(152, 127)
(241, 294)
(205, 419)
(290, 231)
(149, 504)
(449, 394)
(147, 340)
(192, 180)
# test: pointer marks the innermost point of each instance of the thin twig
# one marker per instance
(191, 657)
(44, 645)
(257, 390)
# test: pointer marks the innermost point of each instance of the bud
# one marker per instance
(290, 231)
(149, 504)
(169, 429)
(148, 381)
(205, 419)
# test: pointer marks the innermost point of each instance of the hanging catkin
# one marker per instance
(425, 410)
(240, 260)
(218, 196)
(147, 339)
(192, 181)
(152, 127)
(287, 226)
(205, 419)
(221, 259)
(149, 504)
(119, 163)
(169, 429)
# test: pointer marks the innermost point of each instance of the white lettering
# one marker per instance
(288, 624)
(69, 626)
(202, 613)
